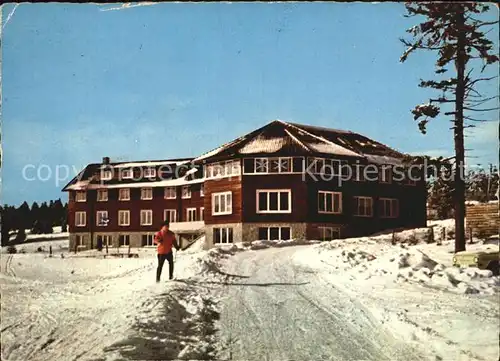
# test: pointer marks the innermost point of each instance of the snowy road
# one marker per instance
(275, 309)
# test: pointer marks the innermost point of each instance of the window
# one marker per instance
(202, 213)
(102, 195)
(223, 169)
(170, 215)
(80, 241)
(102, 218)
(124, 218)
(385, 175)
(222, 203)
(146, 193)
(323, 166)
(328, 233)
(363, 206)
(274, 233)
(202, 190)
(280, 165)
(191, 214)
(223, 235)
(149, 172)
(261, 165)
(127, 174)
(124, 240)
(107, 175)
(170, 193)
(329, 202)
(81, 196)
(389, 207)
(186, 192)
(146, 217)
(106, 240)
(147, 240)
(274, 201)
(80, 219)
(124, 194)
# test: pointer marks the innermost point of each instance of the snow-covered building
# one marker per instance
(281, 181)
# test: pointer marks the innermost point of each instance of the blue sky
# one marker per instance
(176, 80)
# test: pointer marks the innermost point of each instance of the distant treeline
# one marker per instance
(39, 219)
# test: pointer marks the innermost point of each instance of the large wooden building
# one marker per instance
(281, 181)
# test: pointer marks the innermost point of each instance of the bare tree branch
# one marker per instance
(481, 110)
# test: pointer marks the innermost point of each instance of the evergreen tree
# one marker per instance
(35, 214)
(440, 196)
(59, 215)
(481, 185)
(454, 30)
(23, 214)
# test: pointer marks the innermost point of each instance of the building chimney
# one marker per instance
(105, 160)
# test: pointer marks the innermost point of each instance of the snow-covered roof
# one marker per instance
(84, 185)
(146, 164)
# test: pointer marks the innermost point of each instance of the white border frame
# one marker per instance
(97, 217)
(84, 196)
(79, 218)
(333, 199)
(146, 199)
(187, 214)
(279, 233)
(289, 191)
(119, 194)
(190, 192)
(170, 210)
(126, 212)
(140, 215)
(219, 194)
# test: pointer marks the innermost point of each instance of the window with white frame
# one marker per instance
(149, 172)
(273, 165)
(186, 192)
(102, 195)
(274, 233)
(127, 174)
(146, 193)
(101, 218)
(191, 214)
(261, 165)
(385, 174)
(329, 202)
(274, 201)
(146, 217)
(202, 190)
(223, 169)
(124, 240)
(170, 215)
(223, 235)
(106, 240)
(202, 213)
(124, 194)
(80, 241)
(363, 206)
(107, 175)
(170, 193)
(323, 166)
(147, 240)
(328, 233)
(389, 207)
(124, 218)
(222, 203)
(80, 219)
(81, 196)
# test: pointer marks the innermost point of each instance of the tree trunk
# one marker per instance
(459, 193)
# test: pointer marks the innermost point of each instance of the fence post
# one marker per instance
(106, 247)
(50, 251)
(393, 240)
(470, 235)
(76, 247)
(129, 248)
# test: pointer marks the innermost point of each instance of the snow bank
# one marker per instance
(255, 245)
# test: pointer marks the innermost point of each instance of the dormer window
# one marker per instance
(127, 174)
(107, 175)
(81, 196)
(149, 172)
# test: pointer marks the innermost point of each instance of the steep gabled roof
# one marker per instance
(283, 137)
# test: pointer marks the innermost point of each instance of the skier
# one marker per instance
(165, 239)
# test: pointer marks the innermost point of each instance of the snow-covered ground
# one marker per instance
(72, 306)
(363, 298)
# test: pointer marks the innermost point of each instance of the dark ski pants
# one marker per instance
(161, 260)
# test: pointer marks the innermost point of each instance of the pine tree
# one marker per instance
(454, 30)
(481, 185)
(441, 193)
(23, 214)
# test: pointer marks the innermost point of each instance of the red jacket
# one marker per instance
(165, 241)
